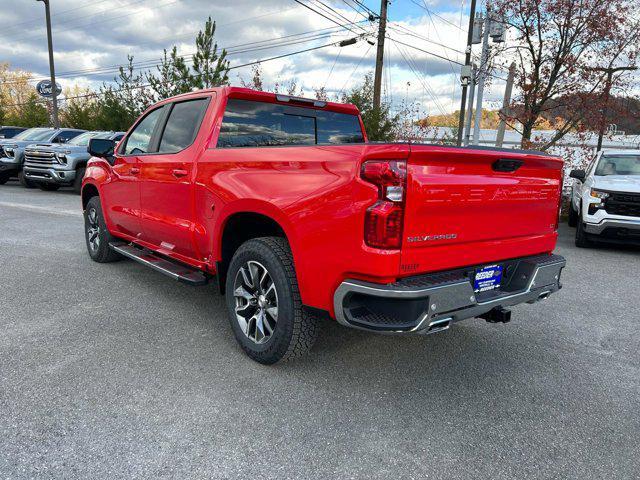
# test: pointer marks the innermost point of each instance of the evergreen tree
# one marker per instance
(209, 68)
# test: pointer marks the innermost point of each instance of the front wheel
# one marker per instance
(77, 183)
(264, 305)
(573, 215)
(582, 241)
(96, 234)
(24, 181)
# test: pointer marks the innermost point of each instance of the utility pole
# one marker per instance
(52, 70)
(607, 93)
(481, 77)
(382, 29)
(467, 123)
(467, 62)
(505, 105)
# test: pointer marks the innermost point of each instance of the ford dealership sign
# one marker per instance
(44, 88)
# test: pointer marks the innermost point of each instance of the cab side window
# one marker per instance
(183, 125)
(139, 140)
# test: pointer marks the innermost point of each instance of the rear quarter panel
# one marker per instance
(314, 193)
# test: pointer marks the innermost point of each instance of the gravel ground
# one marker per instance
(115, 371)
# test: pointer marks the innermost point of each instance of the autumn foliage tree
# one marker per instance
(556, 45)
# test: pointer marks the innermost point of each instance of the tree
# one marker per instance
(557, 43)
(378, 121)
(80, 110)
(121, 104)
(15, 90)
(209, 69)
(32, 113)
(173, 76)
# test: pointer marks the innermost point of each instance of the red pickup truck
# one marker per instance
(298, 216)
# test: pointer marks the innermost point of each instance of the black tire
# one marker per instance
(4, 177)
(48, 187)
(295, 330)
(573, 216)
(77, 183)
(98, 251)
(24, 182)
(582, 241)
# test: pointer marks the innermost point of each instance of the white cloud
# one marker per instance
(99, 34)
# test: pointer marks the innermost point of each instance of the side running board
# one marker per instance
(177, 271)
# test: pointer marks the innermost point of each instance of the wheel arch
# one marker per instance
(89, 190)
(241, 225)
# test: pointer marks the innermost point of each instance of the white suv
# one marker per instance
(605, 199)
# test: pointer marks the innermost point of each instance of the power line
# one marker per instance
(425, 51)
(101, 21)
(323, 15)
(232, 50)
(355, 69)
(277, 57)
(4, 28)
(414, 68)
(424, 6)
(405, 31)
(338, 14)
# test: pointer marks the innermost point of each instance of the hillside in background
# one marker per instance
(624, 112)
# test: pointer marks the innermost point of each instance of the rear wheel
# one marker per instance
(77, 183)
(24, 182)
(573, 216)
(48, 187)
(264, 305)
(96, 234)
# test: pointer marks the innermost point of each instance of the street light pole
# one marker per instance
(52, 70)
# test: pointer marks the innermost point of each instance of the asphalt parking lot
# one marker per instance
(115, 371)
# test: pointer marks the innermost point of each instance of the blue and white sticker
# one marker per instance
(487, 278)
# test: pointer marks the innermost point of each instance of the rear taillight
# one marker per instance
(383, 220)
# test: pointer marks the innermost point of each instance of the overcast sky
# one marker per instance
(91, 37)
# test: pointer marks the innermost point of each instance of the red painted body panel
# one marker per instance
(316, 195)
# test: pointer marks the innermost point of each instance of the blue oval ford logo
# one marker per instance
(44, 88)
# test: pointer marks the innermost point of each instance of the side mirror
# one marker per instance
(578, 175)
(103, 148)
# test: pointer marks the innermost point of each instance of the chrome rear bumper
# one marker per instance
(430, 303)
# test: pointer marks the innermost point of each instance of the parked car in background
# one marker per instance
(298, 216)
(605, 199)
(10, 132)
(12, 149)
(53, 166)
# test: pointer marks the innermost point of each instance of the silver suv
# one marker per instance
(12, 149)
(605, 199)
(51, 166)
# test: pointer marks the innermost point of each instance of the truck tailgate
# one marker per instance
(464, 207)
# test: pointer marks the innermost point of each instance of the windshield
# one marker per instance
(82, 140)
(618, 165)
(35, 134)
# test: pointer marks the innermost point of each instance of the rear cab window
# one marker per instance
(248, 123)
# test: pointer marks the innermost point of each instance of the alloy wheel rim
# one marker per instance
(93, 229)
(256, 301)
